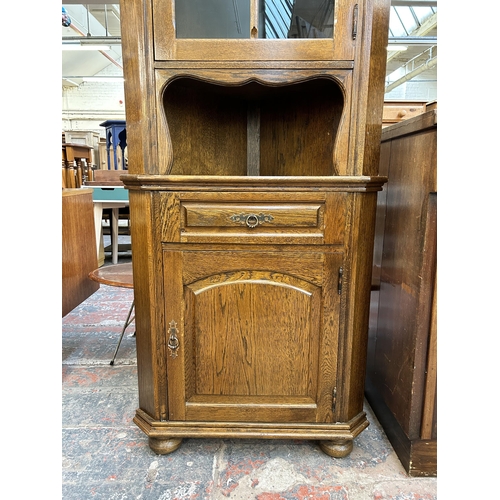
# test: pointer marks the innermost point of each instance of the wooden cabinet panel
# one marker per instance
(250, 343)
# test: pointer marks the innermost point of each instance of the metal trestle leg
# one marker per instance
(127, 323)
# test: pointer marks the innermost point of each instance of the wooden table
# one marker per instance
(119, 275)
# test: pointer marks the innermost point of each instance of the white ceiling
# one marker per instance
(97, 24)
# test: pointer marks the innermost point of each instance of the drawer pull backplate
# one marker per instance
(251, 220)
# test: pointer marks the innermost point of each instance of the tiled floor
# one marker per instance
(106, 457)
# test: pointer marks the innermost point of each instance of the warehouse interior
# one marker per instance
(374, 469)
(411, 74)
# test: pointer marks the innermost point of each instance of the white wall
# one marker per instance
(91, 103)
(421, 88)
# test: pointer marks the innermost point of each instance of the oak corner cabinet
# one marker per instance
(253, 159)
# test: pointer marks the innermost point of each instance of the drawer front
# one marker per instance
(252, 216)
(247, 218)
(110, 194)
(397, 112)
(262, 222)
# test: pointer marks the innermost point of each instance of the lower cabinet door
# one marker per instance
(251, 336)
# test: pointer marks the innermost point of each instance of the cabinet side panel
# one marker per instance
(369, 81)
(147, 291)
(357, 299)
(137, 49)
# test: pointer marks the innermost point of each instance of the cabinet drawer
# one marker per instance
(261, 221)
(395, 112)
(251, 216)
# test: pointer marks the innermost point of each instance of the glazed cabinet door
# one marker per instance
(251, 335)
(259, 30)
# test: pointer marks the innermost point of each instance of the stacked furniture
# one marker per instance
(88, 138)
(76, 164)
(253, 182)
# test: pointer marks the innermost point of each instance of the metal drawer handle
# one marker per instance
(173, 341)
(252, 220)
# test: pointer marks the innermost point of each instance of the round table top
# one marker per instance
(114, 275)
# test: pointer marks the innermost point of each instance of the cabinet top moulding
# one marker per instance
(236, 183)
(328, 64)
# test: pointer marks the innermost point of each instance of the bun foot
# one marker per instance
(163, 446)
(338, 448)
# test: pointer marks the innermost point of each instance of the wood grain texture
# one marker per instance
(79, 254)
(146, 264)
(165, 430)
(247, 342)
(138, 54)
(302, 129)
(402, 367)
(356, 297)
(369, 78)
(406, 277)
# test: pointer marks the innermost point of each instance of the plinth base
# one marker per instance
(336, 440)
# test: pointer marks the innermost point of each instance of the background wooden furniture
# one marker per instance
(107, 178)
(253, 184)
(88, 138)
(78, 247)
(76, 163)
(116, 143)
(401, 376)
(397, 111)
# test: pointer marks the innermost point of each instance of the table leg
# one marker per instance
(98, 226)
(114, 234)
(127, 323)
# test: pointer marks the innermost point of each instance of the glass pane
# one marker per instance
(396, 27)
(212, 18)
(277, 18)
(296, 18)
(423, 13)
(406, 17)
